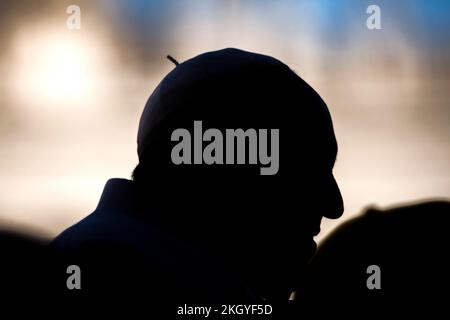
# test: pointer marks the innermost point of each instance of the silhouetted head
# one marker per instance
(393, 261)
(260, 215)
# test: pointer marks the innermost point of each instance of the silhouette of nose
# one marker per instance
(334, 204)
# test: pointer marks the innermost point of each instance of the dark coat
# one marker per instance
(122, 253)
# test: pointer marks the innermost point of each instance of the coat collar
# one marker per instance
(119, 195)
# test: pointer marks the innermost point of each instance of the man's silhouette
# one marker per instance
(409, 245)
(214, 232)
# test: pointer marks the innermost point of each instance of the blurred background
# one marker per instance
(70, 100)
